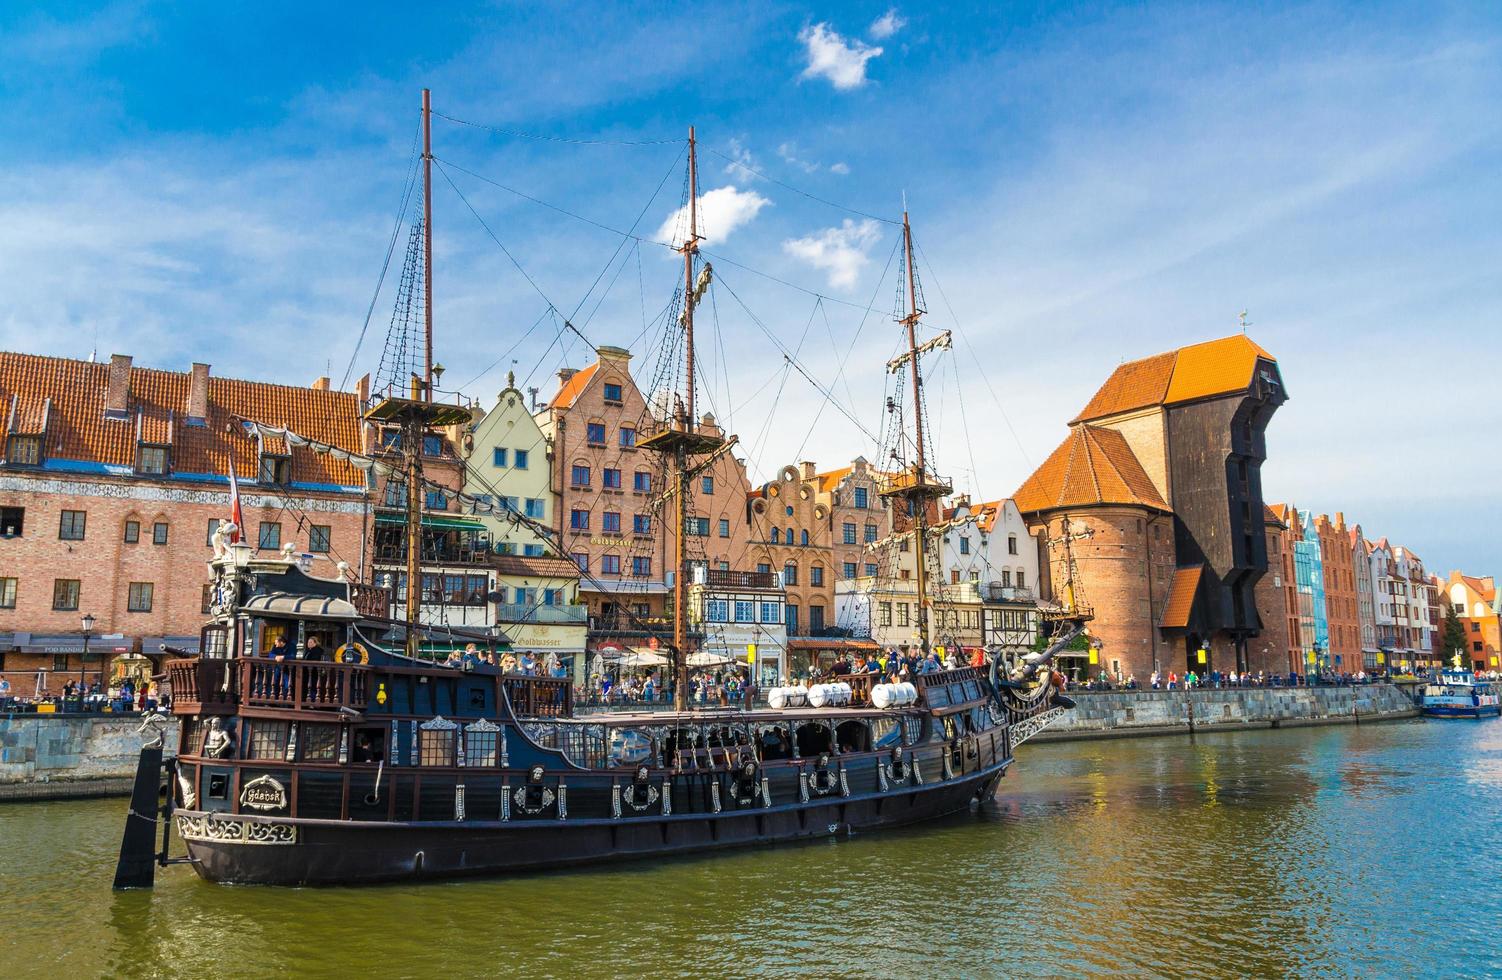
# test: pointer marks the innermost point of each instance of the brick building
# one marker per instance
(1192, 422)
(1366, 613)
(1340, 593)
(1478, 603)
(1276, 650)
(112, 481)
(790, 534)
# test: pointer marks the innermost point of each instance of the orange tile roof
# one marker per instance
(78, 431)
(828, 481)
(1181, 595)
(1479, 587)
(1215, 367)
(571, 391)
(1092, 467)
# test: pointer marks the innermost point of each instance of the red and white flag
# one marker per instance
(234, 506)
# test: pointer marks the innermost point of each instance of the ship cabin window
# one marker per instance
(320, 743)
(213, 641)
(481, 746)
(630, 747)
(268, 740)
(370, 746)
(218, 786)
(886, 732)
(814, 739)
(775, 744)
(853, 736)
(436, 747)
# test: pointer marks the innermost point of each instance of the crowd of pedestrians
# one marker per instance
(83, 696)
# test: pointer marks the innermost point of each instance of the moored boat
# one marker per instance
(1458, 693)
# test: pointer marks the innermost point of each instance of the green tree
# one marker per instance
(1453, 638)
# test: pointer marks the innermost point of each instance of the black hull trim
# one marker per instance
(349, 853)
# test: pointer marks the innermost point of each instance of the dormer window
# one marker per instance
(152, 460)
(275, 469)
(24, 451)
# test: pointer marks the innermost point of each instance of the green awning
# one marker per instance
(448, 523)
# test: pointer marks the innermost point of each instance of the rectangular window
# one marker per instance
(71, 525)
(861, 500)
(594, 433)
(870, 568)
(275, 470)
(904, 614)
(612, 393)
(771, 612)
(745, 611)
(610, 564)
(132, 532)
(533, 550)
(1012, 543)
(526, 597)
(964, 546)
(848, 529)
(792, 619)
(696, 527)
(435, 747)
(7, 593)
(320, 743)
(611, 521)
(536, 507)
(870, 533)
(319, 537)
(717, 610)
(611, 479)
(706, 485)
(151, 460)
(159, 532)
(847, 570)
(268, 740)
(579, 476)
(269, 536)
(139, 597)
(578, 520)
(724, 527)
(207, 604)
(480, 747)
(790, 574)
(816, 575)
(1021, 579)
(12, 521)
(763, 567)
(208, 537)
(65, 594)
(436, 500)
(432, 445)
(24, 451)
(641, 482)
(641, 524)
(498, 456)
(884, 613)
(641, 566)
(582, 560)
(518, 459)
(628, 438)
(507, 504)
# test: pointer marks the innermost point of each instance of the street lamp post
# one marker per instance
(88, 627)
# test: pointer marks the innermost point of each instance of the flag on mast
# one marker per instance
(234, 506)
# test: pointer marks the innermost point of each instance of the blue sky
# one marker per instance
(1089, 183)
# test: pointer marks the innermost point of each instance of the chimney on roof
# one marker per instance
(618, 355)
(532, 398)
(807, 469)
(565, 375)
(198, 395)
(321, 384)
(117, 393)
(962, 500)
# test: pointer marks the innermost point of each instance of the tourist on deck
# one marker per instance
(1173, 680)
(471, 657)
(313, 650)
(453, 660)
(649, 690)
(528, 663)
(4, 692)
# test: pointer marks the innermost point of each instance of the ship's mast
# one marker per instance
(690, 249)
(919, 499)
(427, 244)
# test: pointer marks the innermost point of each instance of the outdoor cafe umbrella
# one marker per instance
(703, 659)
(643, 658)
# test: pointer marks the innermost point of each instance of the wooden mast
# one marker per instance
(680, 456)
(918, 498)
(427, 244)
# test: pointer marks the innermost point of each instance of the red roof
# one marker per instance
(1092, 467)
(1215, 367)
(1181, 594)
(574, 387)
(77, 429)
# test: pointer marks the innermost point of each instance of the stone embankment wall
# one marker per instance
(52, 756)
(1110, 714)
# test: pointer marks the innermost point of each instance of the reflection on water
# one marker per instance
(1268, 853)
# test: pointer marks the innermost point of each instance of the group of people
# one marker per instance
(85, 696)
(526, 663)
(892, 667)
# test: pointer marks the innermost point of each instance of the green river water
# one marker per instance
(1324, 851)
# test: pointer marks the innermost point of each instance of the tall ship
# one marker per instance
(319, 743)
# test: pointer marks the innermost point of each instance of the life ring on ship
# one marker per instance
(361, 655)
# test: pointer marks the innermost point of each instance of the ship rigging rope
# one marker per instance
(786, 186)
(542, 138)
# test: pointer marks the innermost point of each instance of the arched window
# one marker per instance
(803, 537)
(776, 535)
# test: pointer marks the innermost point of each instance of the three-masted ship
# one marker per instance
(349, 758)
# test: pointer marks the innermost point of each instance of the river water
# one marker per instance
(1324, 851)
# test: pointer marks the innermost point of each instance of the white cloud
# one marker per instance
(789, 154)
(887, 24)
(742, 163)
(841, 252)
(840, 168)
(830, 56)
(721, 211)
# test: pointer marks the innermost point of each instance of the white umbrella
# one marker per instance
(643, 658)
(702, 659)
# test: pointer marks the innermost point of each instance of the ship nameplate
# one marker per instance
(264, 793)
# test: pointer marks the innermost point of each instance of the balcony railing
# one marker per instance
(717, 578)
(997, 592)
(521, 612)
(539, 697)
(216, 687)
(458, 555)
(370, 600)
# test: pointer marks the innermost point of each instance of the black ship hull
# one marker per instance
(283, 851)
